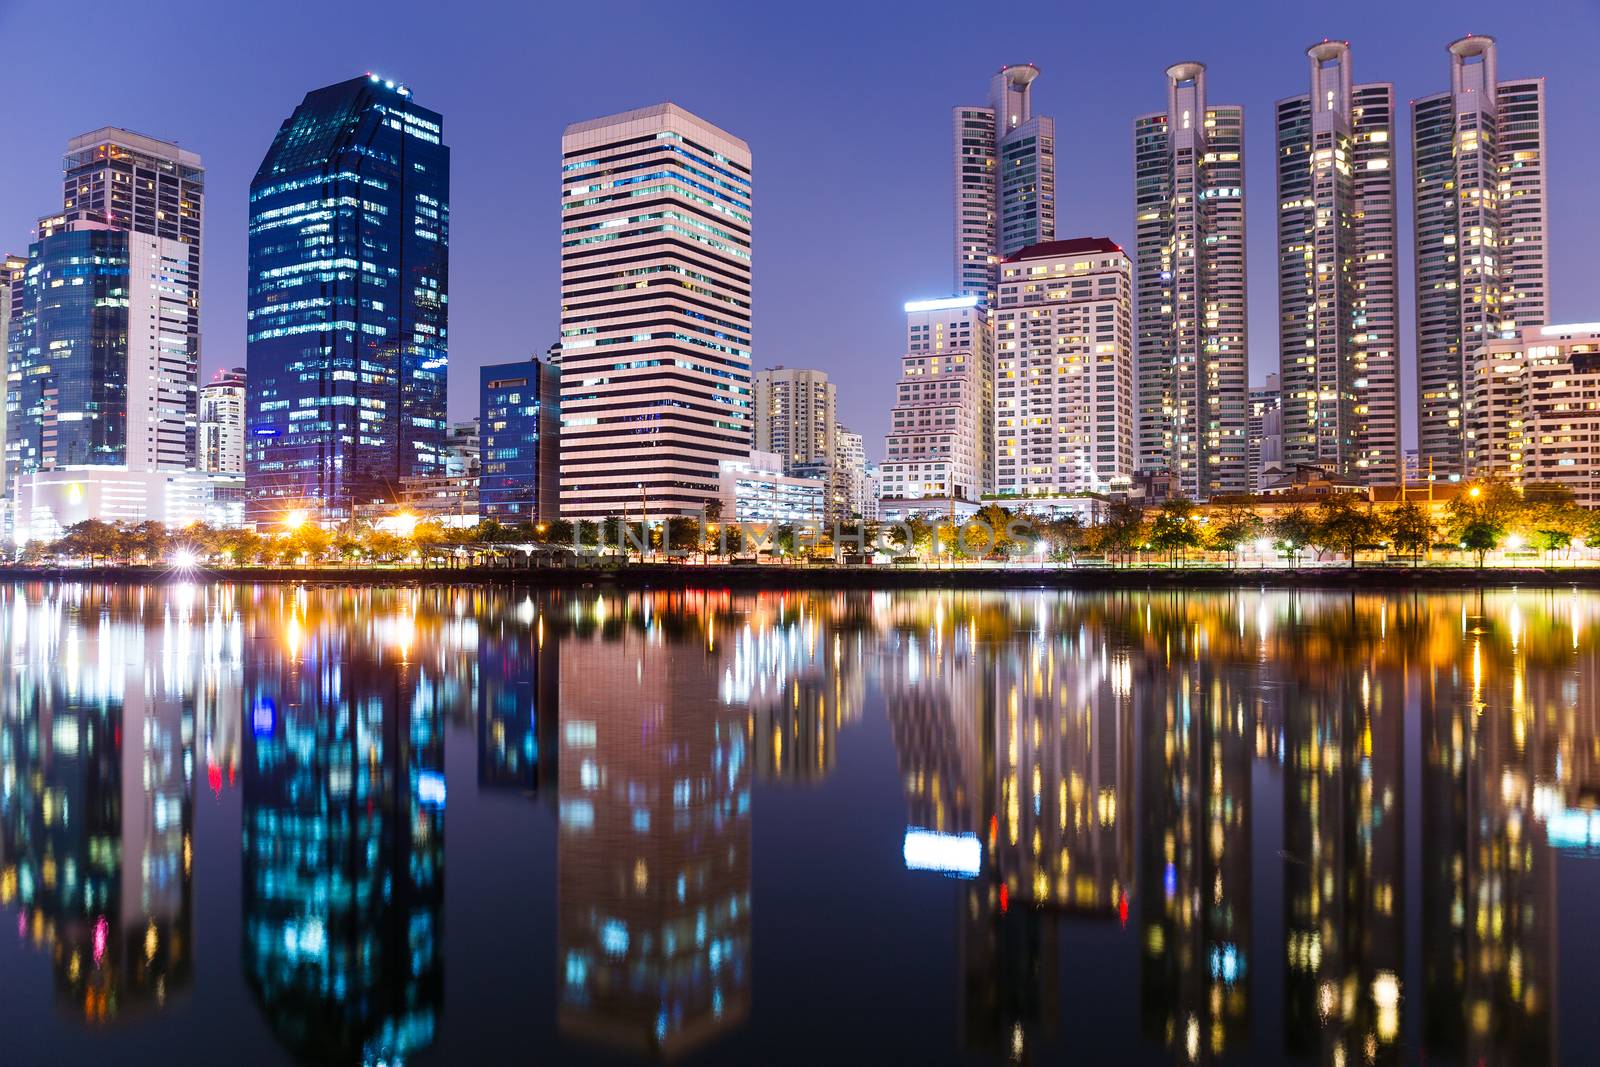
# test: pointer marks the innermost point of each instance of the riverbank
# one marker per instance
(718, 576)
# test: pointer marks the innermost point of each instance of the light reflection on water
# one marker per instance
(1329, 828)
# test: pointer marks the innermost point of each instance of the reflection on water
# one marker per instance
(1323, 828)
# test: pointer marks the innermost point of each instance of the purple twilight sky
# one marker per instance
(846, 107)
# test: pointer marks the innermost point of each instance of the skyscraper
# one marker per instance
(348, 302)
(1338, 285)
(1190, 278)
(942, 426)
(1064, 369)
(1264, 434)
(101, 364)
(519, 407)
(1005, 179)
(222, 403)
(13, 272)
(1482, 257)
(655, 312)
(795, 415)
(152, 187)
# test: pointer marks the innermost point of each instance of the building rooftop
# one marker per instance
(1077, 246)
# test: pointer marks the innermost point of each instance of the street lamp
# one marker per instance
(405, 524)
(293, 520)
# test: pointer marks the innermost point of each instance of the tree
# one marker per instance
(1121, 530)
(1293, 531)
(1342, 525)
(1066, 537)
(1410, 530)
(1480, 536)
(1172, 530)
(1235, 526)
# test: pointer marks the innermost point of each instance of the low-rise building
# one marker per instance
(50, 501)
(1533, 414)
(757, 490)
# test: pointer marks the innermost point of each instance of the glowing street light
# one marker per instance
(405, 524)
(293, 520)
(1475, 492)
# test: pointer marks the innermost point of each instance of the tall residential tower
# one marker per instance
(1005, 179)
(655, 312)
(942, 426)
(348, 289)
(1190, 279)
(1338, 286)
(1482, 255)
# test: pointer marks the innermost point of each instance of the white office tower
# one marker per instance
(655, 312)
(222, 403)
(1338, 283)
(1064, 396)
(850, 465)
(795, 415)
(1190, 281)
(1482, 255)
(1533, 409)
(943, 419)
(1005, 179)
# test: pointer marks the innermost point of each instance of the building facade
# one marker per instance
(520, 458)
(348, 294)
(1264, 435)
(795, 415)
(850, 472)
(1064, 395)
(1533, 410)
(1005, 179)
(1482, 257)
(100, 367)
(1190, 281)
(13, 275)
(655, 312)
(942, 425)
(222, 404)
(755, 489)
(1338, 281)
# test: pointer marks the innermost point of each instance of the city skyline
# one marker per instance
(891, 249)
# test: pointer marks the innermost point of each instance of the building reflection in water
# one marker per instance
(1397, 774)
(97, 739)
(343, 823)
(654, 854)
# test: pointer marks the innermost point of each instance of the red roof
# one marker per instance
(1078, 246)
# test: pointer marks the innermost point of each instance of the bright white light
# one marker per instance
(1263, 545)
(185, 558)
(949, 303)
(430, 788)
(957, 854)
(1514, 541)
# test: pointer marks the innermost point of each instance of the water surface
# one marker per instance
(261, 824)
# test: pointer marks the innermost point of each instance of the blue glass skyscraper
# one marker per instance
(520, 425)
(348, 295)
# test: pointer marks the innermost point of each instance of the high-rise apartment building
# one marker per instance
(850, 468)
(1264, 434)
(1063, 322)
(1532, 409)
(1005, 179)
(13, 273)
(348, 302)
(222, 404)
(1482, 257)
(1190, 281)
(655, 312)
(795, 413)
(520, 425)
(942, 426)
(101, 360)
(1338, 283)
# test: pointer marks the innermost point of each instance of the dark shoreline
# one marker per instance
(716, 576)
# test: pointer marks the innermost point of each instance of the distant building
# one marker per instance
(1190, 271)
(49, 501)
(463, 451)
(942, 426)
(1064, 400)
(222, 402)
(850, 472)
(872, 491)
(655, 312)
(1005, 179)
(1264, 435)
(1482, 252)
(1533, 410)
(1338, 280)
(757, 490)
(348, 297)
(13, 272)
(520, 423)
(794, 415)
